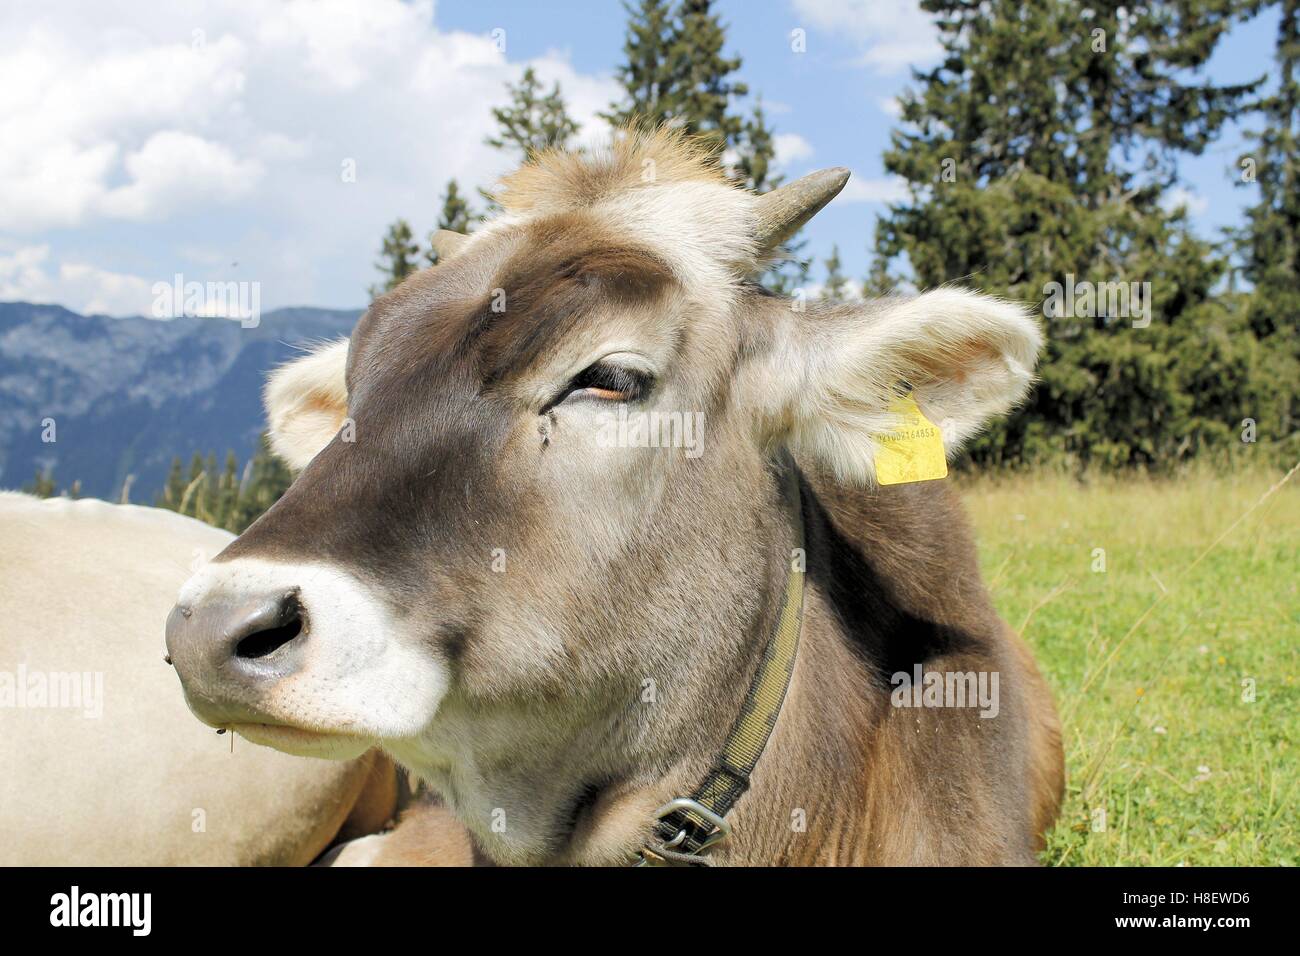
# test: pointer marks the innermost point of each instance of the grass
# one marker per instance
(1168, 760)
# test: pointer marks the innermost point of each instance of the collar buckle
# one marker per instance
(667, 853)
(684, 805)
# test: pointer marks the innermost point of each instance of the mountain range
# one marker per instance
(105, 400)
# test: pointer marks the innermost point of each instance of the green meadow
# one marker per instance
(1166, 616)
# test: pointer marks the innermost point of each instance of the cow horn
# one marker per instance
(447, 243)
(783, 211)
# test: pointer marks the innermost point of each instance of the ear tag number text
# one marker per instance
(913, 451)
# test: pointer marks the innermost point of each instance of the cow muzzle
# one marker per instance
(303, 658)
(231, 651)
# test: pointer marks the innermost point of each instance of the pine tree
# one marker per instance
(534, 120)
(675, 74)
(703, 75)
(269, 478)
(646, 72)
(836, 282)
(174, 489)
(227, 502)
(43, 484)
(1039, 151)
(1269, 243)
(879, 280)
(755, 153)
(456, 215)
(400, 258)
(232, 499)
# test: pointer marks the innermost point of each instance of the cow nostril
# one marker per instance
(269, 641)
(287, 625)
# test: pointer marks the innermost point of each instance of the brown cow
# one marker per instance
(549, 536)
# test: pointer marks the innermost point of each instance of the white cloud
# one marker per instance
(890, 106)
(893, 34)
(95, 291)
(173, 170)
(22, 271)
(27, 274)
(78, 107)
(791, 148)
(882, 189)
(227, 125)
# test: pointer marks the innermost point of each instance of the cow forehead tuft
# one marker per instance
(635, 159)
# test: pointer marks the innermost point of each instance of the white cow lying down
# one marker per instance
(101, 763)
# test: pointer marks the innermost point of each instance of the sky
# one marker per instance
(273, 141)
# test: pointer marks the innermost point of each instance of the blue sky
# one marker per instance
(209, 138)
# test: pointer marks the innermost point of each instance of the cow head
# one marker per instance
(537, 525)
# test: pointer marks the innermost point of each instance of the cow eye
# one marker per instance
(604, 382)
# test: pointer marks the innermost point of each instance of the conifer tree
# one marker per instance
(756, 152)
(646, 73)
(836, 282)
(399, 258)
(268, 479)
(231, 499)
(675, 73)
(1039, 151)
(1269, 242)
(174, 488)
(703, 75)
(227, 502)
(43, 484)
(534, 120)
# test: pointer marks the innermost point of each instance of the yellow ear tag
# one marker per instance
(913, 451)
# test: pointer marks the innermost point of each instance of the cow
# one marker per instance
(602, 641)
(426, 834)
(100, 762)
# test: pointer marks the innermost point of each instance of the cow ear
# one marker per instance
(966, 357)
(306, 403)
(447, 243)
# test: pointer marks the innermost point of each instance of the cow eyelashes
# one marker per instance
(604, 382)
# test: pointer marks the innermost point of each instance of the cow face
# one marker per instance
(537, 488)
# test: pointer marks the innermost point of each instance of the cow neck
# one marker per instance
(688, 826)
